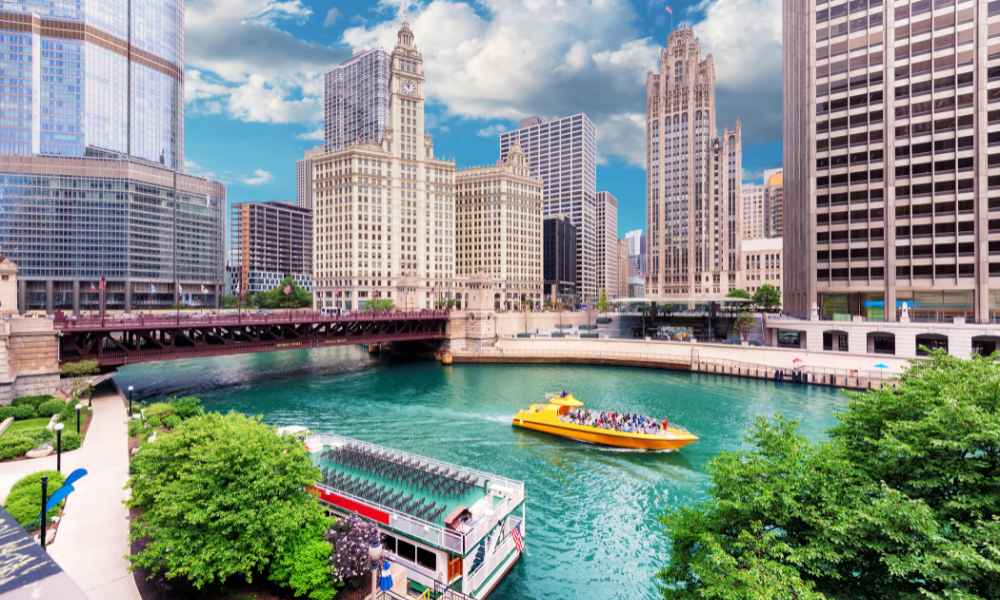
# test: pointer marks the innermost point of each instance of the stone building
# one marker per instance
(762, 260)
(498, 230)
(607, 244)
(693, 199)
(384, 208)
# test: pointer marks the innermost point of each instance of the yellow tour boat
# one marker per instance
(565, 416)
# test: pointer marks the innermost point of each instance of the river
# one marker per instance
(593, 527)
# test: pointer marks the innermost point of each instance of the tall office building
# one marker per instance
(357, 100)
(693, 198)
(559, 260)
(498, 230)
(623, 289)
(91, 145)
(303, 183)
(384, 210)
(774, 202)
(888, 151)
(607, 244)
(563, 152)
(270, 240)
(636, 242)
(754, 211)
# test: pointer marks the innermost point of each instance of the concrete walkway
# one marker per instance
(92, 541)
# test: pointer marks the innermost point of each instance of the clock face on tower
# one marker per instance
(409, 87)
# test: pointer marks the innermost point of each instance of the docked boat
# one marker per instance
(565, 416)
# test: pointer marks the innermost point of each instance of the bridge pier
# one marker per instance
(29, 358)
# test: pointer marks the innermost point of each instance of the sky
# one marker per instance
(254, 78)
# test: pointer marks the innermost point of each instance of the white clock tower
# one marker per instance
(407, 106)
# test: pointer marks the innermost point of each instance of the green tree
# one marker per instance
(901, 502)
(602, 302)
(379, 304)
(744, 324)
(224, 496)
(229, 301)
(767, 297)
(286, 294)
(738, 293)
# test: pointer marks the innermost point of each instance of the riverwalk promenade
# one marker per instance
(859, 371)
(91, 544)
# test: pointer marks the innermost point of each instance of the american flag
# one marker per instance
(515, 532)
(670, 10)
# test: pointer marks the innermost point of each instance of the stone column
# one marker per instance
(960, 343)
(76, 307)
(857, 340)
(49, 298)
(128, 308)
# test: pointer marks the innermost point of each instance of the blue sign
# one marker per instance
(66, 489)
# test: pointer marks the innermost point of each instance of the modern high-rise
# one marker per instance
(774, 202)
(607, 244)
(623, 289)
(754, 211)
(563, 152)
(693, 201)
(357, 100)
(498, 230)
(303, 183)
(269, 241)
(636, 242)
(559, 260)
(91, 159)
(384, 209)
(888, 150)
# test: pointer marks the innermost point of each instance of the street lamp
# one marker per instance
(375, 552)
(79, 407)
(45, 500)
(131, 389)
(59, 428)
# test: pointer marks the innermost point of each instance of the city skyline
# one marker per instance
(273, 101)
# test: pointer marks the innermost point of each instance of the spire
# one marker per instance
(405, 36)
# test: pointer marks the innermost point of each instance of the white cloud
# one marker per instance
(744, 37)
(530, 57)
(315, 135)
(241, 62)
(259, 177)
(331, 17)
(493, 130)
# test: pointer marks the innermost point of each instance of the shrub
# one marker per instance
(187, 407)
(32, 401)
(80, 368)
(171, 421)
(24, 502)
(15, 445)
(70, 440)
(351, 536)
(134, 427)
(6, 411)
(154, 422)
(224, 496)
(158, 410)
(50, 407)
(24, 411)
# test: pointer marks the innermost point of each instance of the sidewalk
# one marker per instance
(92, 542)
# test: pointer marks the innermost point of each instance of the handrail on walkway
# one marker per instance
(64, 322)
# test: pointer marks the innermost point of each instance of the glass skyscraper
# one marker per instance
(91, 149)
(357, 100)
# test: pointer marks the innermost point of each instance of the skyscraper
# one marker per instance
(607, 244)
(563, 152)
(559, 258)
(693, 198)
(754, 211)
(357, 100)
(91, 149)
(888, 151)
(384, 208)
(498, 230)
(774, 202)
(269, 241)
(636, 241)
(303, 183)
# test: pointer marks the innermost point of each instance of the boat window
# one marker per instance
(425, 558)
(388, 542)
(404, 550)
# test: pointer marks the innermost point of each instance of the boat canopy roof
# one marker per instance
(564, 399)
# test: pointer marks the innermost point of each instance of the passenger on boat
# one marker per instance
(628, 422)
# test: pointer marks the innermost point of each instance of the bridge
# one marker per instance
(130, 339)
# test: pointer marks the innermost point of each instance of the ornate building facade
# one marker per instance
(693, 201)
(498, 230)
(384, 209)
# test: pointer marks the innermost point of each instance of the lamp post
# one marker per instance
(59, 428)
(131, 389)
(79, 407)
(45, 500)
(375, 552)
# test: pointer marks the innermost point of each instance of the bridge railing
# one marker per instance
(281, 317)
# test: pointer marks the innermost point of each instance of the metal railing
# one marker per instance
(281, 317)
(512, 492)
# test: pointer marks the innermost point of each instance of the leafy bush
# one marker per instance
(171, 421)
(903, 501)
(157, 410)
(187, 407)
(225, 495)
(15, 445)
(352, 536)
(32, 401)
(24, 502)
(80, 368)
(135, 427)
(154, 422)
(23, 411)
(6, 411)
(50, 407)
(70, 440)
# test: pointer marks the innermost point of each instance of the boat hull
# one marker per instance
(594, 435)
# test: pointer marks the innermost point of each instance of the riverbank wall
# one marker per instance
(854, 371)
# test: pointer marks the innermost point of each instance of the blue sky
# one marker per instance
(254, 78)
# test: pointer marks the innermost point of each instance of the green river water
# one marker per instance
(593, 526)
